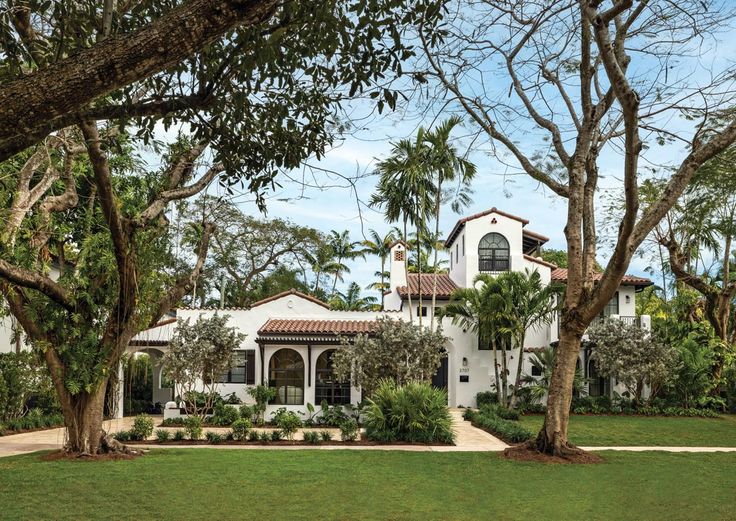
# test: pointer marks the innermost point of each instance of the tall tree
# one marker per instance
(351, 300)
(446, 165)
(108, 218)
(404, 192)
(247, 248)
(698, 234)
(343, 249)
(587, 78)
(380, 246)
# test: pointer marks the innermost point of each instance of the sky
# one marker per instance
(337, 206)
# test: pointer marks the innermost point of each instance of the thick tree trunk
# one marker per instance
(83, 419)
(552, 439)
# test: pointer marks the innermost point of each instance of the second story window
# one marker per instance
(611, 308)
(493, 253)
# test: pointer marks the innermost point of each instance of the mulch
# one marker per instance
(362, 443)
(524, 452)
(60, 455)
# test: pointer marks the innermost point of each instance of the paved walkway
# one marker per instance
(468, 439)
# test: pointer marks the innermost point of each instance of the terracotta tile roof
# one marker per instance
(278, 326)
(445, 286)
(540, 261)
(291, 292)
(461, 223)
(560, 274)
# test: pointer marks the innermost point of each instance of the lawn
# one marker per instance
(646, 431)
(200, 484)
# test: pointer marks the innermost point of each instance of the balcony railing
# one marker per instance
(642, 321)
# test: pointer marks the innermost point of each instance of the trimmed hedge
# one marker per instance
(507, 430)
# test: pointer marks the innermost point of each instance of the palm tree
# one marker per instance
(351, 300)
(446, 166)
(404, 191)
(538, 386)
(380, 247)
(483, 309)
(532, 304)
(343, 249)
(322, 262)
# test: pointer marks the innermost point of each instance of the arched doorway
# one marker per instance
(286, 375)
(327, 388)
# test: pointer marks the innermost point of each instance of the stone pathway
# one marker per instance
(49, 439)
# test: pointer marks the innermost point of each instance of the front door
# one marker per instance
(440, 378)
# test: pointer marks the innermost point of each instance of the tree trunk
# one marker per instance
(517, 381)
(419, 266)
(504, 374)
(436, 235)
(495, 368)
(552, 439)
(406, 274)
(83, 418)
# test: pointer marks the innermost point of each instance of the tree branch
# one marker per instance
(72, 83)
(185, 284)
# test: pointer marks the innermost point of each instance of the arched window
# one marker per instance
(286, 374)
(327, 387)
(493, 253)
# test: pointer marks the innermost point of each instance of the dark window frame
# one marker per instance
(283, 376)
(424, 311)
(248, 369)
(612, 304)
(326, 386)
(493, 255)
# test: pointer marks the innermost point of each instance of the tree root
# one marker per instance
(563, 453)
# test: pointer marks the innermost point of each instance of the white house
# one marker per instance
(290, 336)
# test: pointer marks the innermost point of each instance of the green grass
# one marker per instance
(200, 484)
(658, 431)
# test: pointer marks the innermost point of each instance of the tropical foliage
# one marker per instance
(500, 310)
(414, 412)
(397, 350)
(198, 354)
(632, 356)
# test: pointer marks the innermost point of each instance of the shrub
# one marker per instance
(214, 437)
(325, 435)
(142, 427)
(501, 412)
(508, 430)
(193, 427)
(415, 412)
(262, 394)
(122, 436)
(312, 437)
(233, 399)
(179, 421)
(486, 398)
(248, 412)
(253, 436)
(349, 430)
(332, 416)
(178, 435)
(287, 421)
(224, 415)
(265, 436)
(240, 428)
(162, 435)
(275, 435)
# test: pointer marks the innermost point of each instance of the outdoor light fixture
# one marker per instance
(628, 299)
(465, 362)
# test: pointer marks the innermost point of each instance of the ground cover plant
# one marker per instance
(403, 485)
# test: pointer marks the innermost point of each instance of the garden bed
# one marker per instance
(363, 442)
